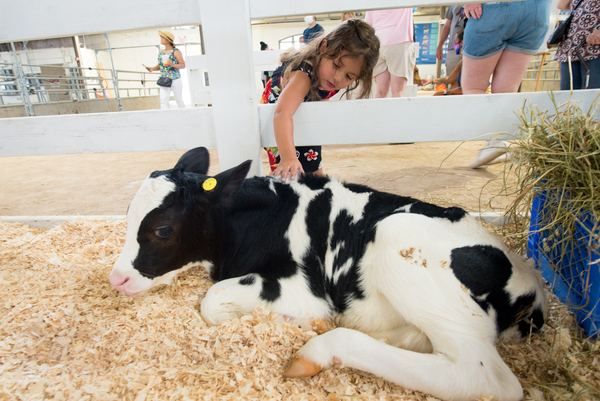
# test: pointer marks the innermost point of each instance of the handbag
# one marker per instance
(560, 33)
(164, 81)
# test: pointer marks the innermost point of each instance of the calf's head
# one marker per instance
(170, 222)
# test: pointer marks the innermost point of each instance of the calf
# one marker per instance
(431, 281)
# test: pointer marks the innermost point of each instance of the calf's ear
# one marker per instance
(229, 182)
(196, 160)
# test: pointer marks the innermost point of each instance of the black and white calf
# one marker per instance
(430, 280)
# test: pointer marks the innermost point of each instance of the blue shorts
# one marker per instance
(518, 26)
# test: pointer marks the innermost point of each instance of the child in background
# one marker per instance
(452, 79)
(342, 59)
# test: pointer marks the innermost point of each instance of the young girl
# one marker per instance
(452, 79)
(343, 59)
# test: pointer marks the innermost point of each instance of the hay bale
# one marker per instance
(66, 334)
(556, 162)
(557, 152)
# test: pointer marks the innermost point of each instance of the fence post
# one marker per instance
(22, 83)
(232, 80)
(115, 77)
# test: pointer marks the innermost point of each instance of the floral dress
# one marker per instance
(165, 71)
(586, 19)
(309, 156)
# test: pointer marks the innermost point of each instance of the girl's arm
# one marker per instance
(283, 122)
(450, 80)
(155, 68)
(453, 78)
(564, 5)
(455, 91)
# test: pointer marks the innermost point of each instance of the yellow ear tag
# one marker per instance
(209, 184)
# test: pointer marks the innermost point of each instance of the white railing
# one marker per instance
(236, 125)
(34, 88)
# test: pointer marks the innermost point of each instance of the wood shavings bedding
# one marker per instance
(66, 334)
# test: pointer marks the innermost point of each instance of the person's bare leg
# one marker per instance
(509, 71)
(476, 73)
(383, 84)
(398, 85)
(508, 74)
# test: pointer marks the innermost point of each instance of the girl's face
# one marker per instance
(458, 44)
(337, 73)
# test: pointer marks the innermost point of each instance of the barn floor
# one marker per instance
(65, 334)
(104, 184)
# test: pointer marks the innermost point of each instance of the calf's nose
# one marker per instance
(117, 280)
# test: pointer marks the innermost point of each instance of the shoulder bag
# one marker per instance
(560, 33)
(164, 81)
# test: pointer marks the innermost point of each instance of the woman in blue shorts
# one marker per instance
(500, 40)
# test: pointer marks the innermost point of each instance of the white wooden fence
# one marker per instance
(236, 125)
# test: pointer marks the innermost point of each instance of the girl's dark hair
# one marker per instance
(263, 46)
(460, 36)
(356, 38)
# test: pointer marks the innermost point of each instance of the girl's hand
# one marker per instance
(149, 69)
(425, 82)
(593, 38)
(473, 11)
(288, 171)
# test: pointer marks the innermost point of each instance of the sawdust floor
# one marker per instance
(66, 334)
(104, 184)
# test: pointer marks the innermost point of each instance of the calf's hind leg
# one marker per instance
(473, 371)
(464, 364)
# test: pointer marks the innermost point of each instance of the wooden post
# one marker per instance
(537, 84)
(227, 35)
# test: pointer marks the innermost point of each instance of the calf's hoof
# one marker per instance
(321, 326)
(301, 367)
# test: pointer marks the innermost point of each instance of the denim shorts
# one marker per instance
(518, 26)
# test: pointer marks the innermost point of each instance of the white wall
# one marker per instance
(132, 59)
(124, 59)
(59, 52)
(271, 34)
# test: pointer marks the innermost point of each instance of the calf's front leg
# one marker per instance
(231, 298)
(235, 297)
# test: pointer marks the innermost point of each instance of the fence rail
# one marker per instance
(19, 87)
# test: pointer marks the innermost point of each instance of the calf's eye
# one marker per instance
(163, 232)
